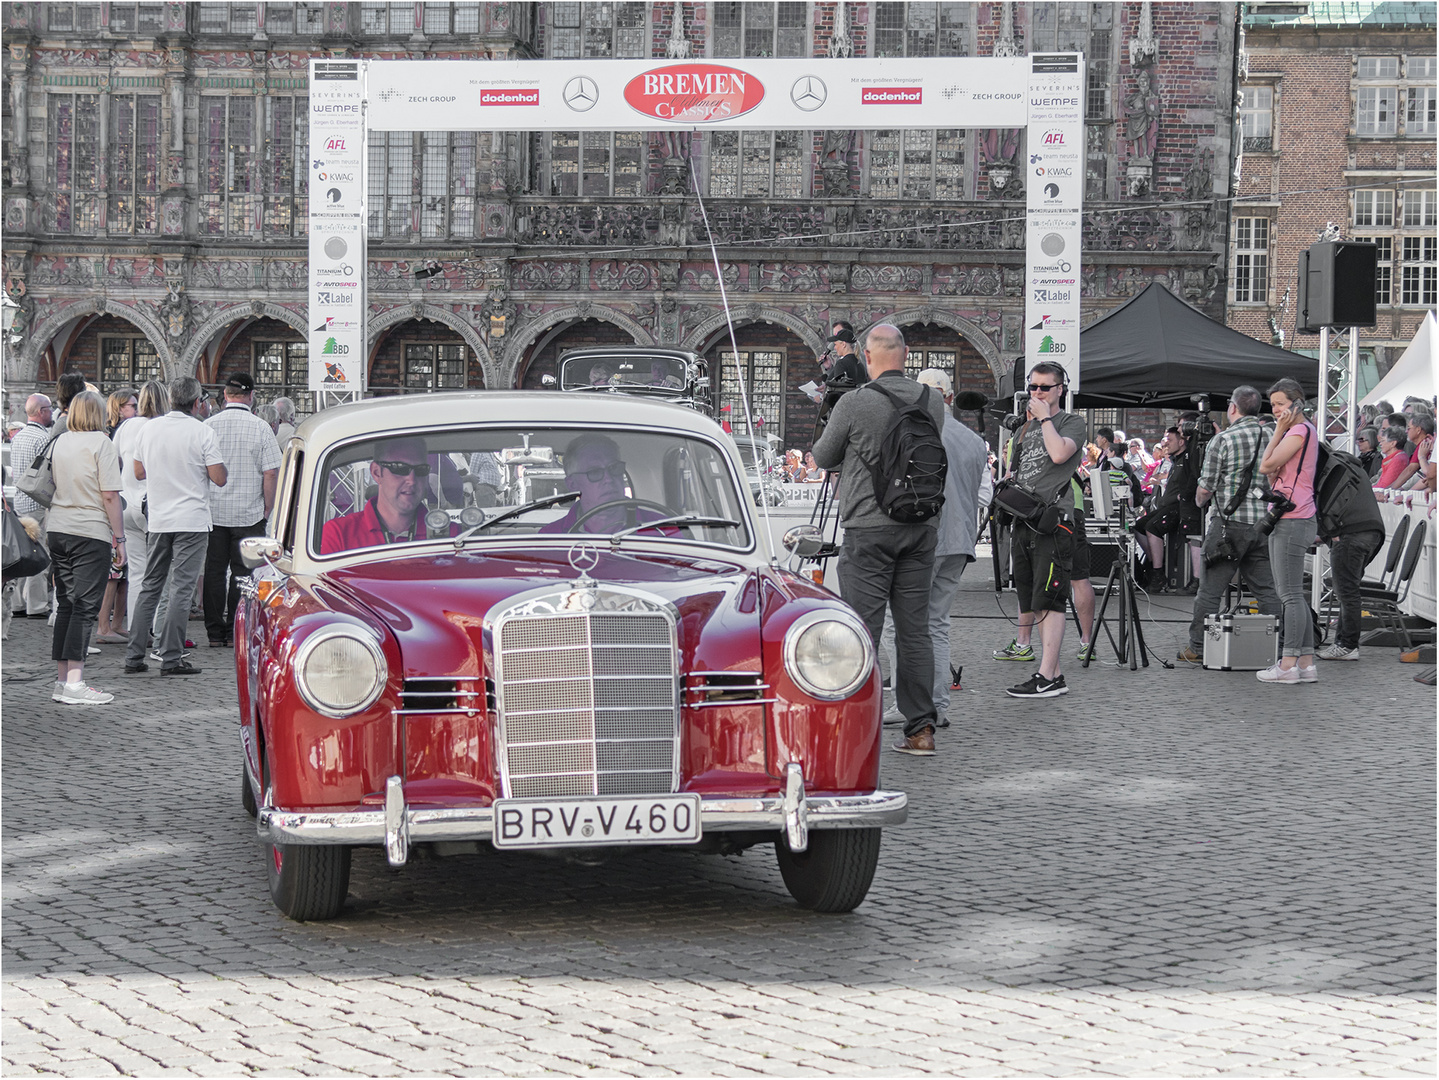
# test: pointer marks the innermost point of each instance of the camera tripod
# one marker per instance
(1130, 647)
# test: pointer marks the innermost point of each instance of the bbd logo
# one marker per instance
(1049, 345)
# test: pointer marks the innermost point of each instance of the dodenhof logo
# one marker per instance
(694, 93)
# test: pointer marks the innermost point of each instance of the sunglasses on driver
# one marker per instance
(404, 468)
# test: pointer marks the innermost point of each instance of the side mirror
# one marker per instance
(256, 551)
(548, 380)
(803, 540)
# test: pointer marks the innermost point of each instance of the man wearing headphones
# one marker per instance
(1050, 447)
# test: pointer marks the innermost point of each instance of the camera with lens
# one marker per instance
(1279, 505)
(1015, 420)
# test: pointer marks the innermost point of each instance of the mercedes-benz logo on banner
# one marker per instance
(808, 93)
(582, 93)
(584, 558)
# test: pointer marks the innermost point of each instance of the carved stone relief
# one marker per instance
(885, 279)
(622, 275)
(548, 275)
(793, 277)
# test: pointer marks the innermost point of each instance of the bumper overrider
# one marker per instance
(396, 826)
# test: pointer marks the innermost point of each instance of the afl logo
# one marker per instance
(694, 93)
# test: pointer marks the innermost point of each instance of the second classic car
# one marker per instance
(544, 622)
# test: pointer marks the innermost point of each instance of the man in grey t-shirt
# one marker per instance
(1049, 448)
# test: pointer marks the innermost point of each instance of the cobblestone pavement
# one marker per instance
(1166, 872)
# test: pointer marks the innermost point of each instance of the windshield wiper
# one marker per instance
(676, 519)
(538, 504)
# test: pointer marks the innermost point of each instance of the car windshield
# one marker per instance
(653, 372)
(411, 488)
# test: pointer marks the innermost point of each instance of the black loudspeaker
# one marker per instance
(1336, 285)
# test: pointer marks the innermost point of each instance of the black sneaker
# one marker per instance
(1037, 686)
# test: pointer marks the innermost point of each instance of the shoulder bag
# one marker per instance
(38, 480)
(1224, 541)
(23, 556)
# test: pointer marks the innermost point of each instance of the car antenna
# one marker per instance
(734, 353)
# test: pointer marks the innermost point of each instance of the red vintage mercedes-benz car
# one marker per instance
(544, 621)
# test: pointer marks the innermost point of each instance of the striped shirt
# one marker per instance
(250, 450)
(1229, 453)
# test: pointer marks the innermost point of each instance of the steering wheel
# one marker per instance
(632, 505)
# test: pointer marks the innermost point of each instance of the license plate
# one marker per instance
(652, 819)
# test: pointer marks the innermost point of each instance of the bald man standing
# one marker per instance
(885, 563)
(33, 592)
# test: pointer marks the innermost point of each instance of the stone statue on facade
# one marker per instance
(1141, 121)
(174, 309)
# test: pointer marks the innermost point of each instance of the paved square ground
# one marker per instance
(1165, 872)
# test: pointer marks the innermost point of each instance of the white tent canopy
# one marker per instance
(1413, 373)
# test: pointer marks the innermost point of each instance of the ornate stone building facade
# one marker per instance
(1338, 127)
(155, 195)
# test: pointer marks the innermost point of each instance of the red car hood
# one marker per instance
(435, 606)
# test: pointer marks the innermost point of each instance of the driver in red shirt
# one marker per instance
(396, 514)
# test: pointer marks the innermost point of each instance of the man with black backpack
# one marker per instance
(1349, 521)
(884, 439)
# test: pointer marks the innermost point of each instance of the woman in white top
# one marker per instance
(154, 401)
(86, 538)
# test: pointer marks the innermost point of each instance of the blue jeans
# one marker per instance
(1289, 541)
(893, 566)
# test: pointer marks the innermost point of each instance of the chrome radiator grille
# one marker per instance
(587, 702)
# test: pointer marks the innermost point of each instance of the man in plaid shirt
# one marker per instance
(1232, 453)
(33, 592)
(239, 509)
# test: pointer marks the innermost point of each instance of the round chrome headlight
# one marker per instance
(828, 654)
(340, 671)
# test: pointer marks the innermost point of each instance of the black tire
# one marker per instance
(247, 793)
(308, 882)
(835, 872)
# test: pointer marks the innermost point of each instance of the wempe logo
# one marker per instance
(891, 95)
(694, 93)
(510, 97)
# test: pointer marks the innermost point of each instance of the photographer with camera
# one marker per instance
(1290, 523)
(1050, 444)
(1232, 543)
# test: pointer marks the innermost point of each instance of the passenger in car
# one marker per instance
(594, 469)
(395, 514)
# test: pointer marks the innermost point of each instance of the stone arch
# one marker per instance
(47, 328)
(254, 309)
(434, 313)
(971, 332)
(750, 313)
(515, 351)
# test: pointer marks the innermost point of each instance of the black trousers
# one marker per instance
(893, 567)
(81, 566)
(1348, 556)
(224, 554)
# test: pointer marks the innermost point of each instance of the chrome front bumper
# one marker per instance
(396, 826)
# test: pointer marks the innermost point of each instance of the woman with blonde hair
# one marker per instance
(86, 537)
(154, 400)
(119, 407)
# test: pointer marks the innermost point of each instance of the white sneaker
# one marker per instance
(1279, 674)
(1338, 652)
(1309, 674)
(58, 692)
(90, 650)
(80, 694)
(155, 656)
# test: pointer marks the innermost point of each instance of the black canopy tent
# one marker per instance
(1156, 351)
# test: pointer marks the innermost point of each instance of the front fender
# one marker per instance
(837, 743)
(315, 760)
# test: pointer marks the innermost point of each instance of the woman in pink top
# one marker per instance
(1289, 462)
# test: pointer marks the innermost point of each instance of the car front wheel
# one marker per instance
(835, 871)
(308, 882)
